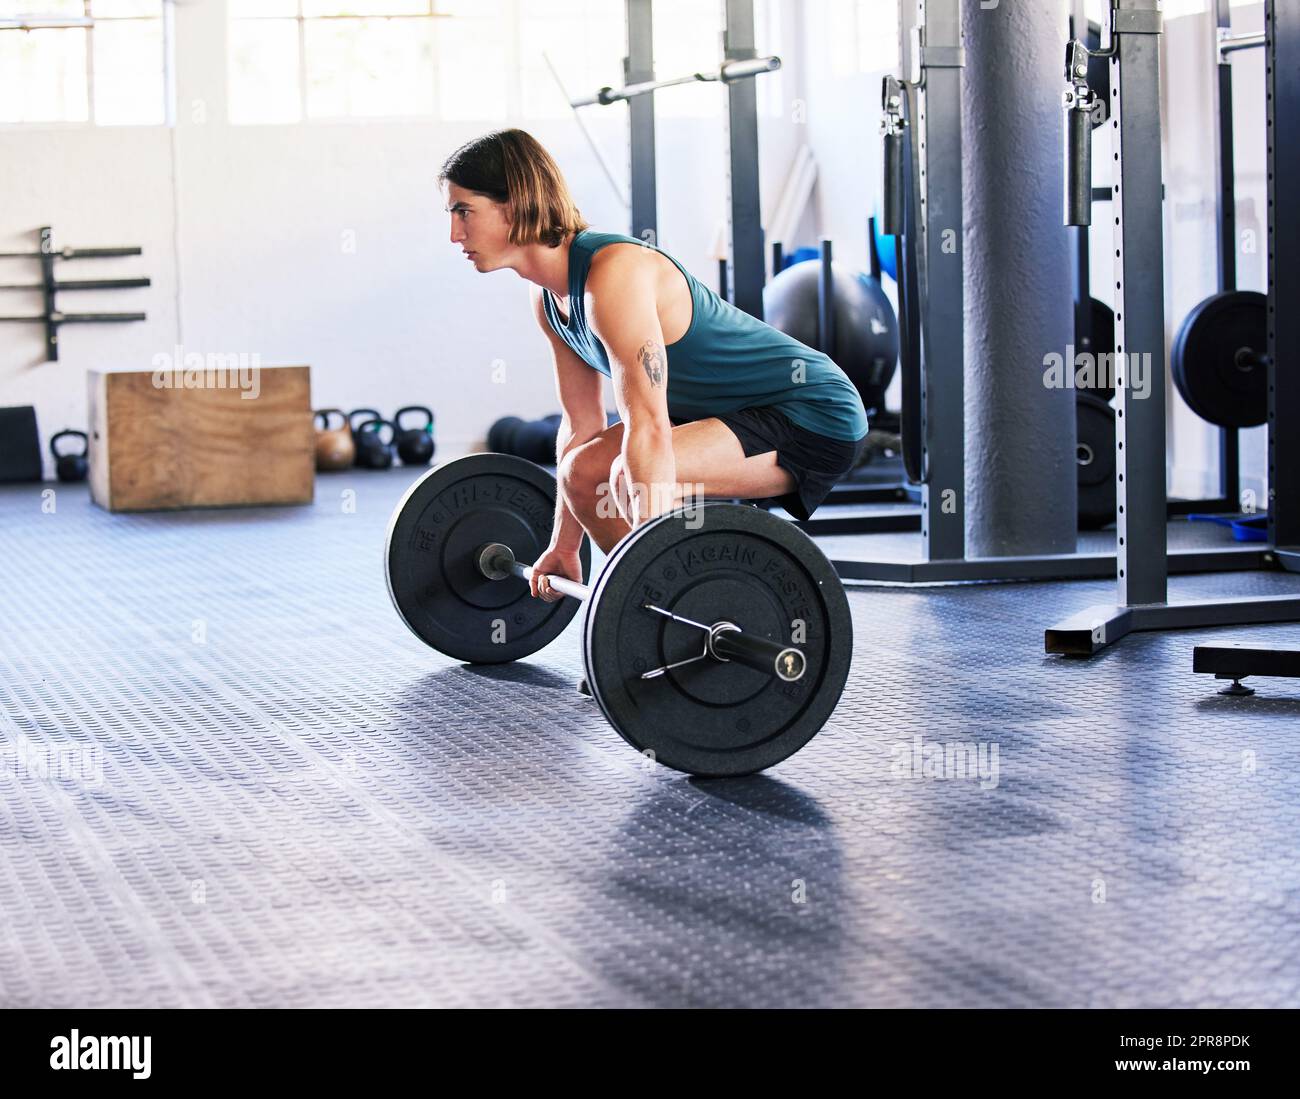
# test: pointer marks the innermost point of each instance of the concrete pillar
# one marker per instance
(1021, 474)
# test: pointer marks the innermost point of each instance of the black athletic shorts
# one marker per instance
(816, 461)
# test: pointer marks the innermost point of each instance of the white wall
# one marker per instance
(322, 243)
(95, 187)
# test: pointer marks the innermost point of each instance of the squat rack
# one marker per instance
(929, 106)
(1283, 76)
(744, 276)
(1141, 601)
(1228, 499)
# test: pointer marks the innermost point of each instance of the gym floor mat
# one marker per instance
(232, 777)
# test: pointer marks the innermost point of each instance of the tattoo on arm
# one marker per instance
(654, 360)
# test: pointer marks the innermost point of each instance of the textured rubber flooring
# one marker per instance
(232, 777)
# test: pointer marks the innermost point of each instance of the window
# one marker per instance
(95, 61)
(877, 36)
(585, 42)
(688, 39)
(1175, 9)
(768, 40)
(470, 60)
(310, 59)
(863, 36)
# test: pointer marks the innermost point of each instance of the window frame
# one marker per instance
(166, 20)
(435, 112)
(514, 17)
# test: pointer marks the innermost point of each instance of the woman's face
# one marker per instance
(480, 226)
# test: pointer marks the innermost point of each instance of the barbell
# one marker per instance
(725, 640)
(717, 638)
(729, 72)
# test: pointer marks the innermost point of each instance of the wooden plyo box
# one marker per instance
(172, 439)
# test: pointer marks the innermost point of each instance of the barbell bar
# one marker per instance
(725, 640)
(728, 73)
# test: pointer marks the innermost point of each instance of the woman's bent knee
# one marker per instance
(581, 473)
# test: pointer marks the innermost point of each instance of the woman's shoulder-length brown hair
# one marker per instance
(512, 167)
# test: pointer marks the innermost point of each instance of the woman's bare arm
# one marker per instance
(624, 313)
(582, 412)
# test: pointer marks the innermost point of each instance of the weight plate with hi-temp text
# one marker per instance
(431, 559)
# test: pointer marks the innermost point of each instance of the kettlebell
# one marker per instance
(414, 444)
(334, 446)
(372, 413)
(373, 451)
(70, 467)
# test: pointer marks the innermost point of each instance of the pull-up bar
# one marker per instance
(729, 73)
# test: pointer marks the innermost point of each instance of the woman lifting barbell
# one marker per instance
(713, 402)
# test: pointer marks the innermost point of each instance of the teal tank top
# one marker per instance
(726, 361)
